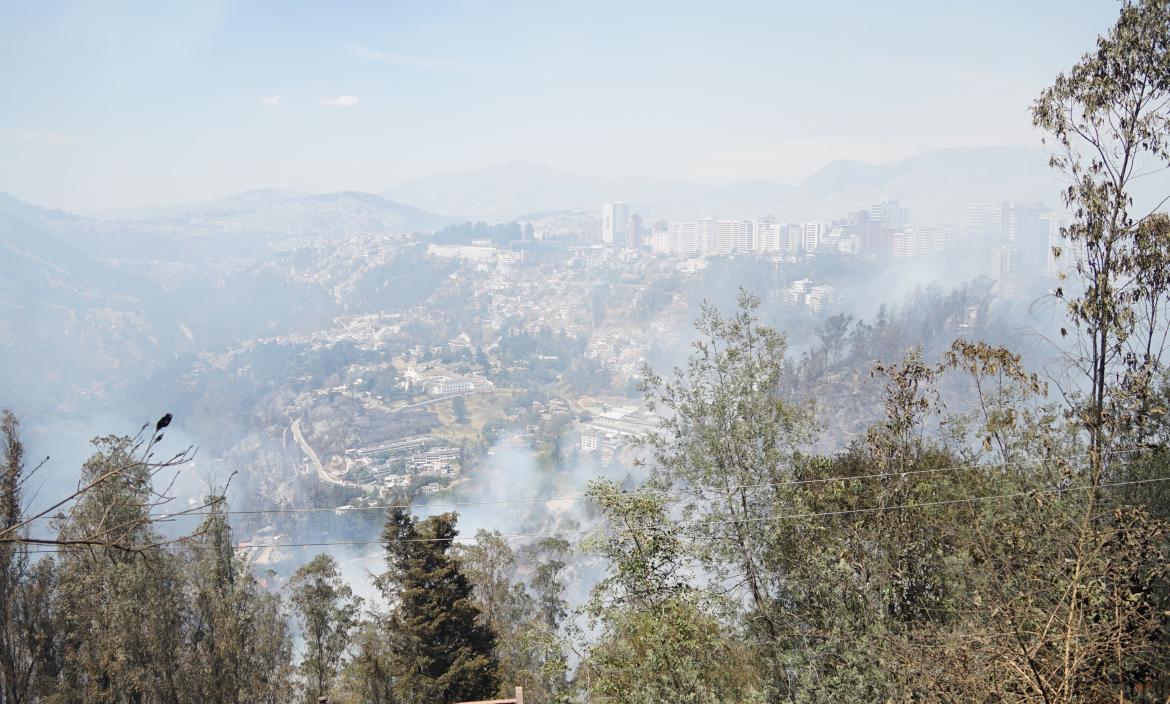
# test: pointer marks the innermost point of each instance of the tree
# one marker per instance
(548, 555)
(529, 643)
(833, 332)
(134, 462)
(675, 654)
(328, 612)
(366, 677)
(27, 637)
(657, 642)
(238, 647)
(119, 600)
(723, 446)
(459, 409)
(1108, 118)
(441, 651)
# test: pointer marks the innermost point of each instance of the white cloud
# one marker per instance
(341, 101)
(270, 100)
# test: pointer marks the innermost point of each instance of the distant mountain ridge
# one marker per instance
(508, 190)
(267, 212)
(936, 185)
(291, 213)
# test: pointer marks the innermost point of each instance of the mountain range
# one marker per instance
(936, 186)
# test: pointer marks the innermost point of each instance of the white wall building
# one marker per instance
(726, 236)
(664, 242)
(811, 234)
(441, 385)
(706, 234)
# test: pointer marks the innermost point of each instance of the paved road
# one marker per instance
(325, 476)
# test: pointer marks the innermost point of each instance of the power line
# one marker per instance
(640, 492)
(700, 524)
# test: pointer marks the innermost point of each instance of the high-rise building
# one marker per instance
(745, 237)
(615, 223)
(764, 230)
(706, 234)
(1003, 268)
(913, 242)
(811, 234)
(859, 227)
(889, 215)
(1030, 234)
(664, 242)
(636, 233)
(791, 240)
(686, 237)
(725, 236)
(985, 222)
(733, 236)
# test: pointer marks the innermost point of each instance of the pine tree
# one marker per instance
(441, 649)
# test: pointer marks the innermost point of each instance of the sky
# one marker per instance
(108, 106)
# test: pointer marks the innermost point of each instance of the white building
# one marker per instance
(727, 236)
(985, 222)
(765, 236)
(772, 238)
(917, 242)
(441, 385)
(441, 461)
(795, 291)
(811, 234)
(686, 235)
(820, 297)
(664, 242)
(705, 231)
(745, 236)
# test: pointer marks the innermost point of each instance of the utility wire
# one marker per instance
(697, 524)
(639, 492)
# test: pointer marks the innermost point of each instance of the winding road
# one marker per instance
(325, 476)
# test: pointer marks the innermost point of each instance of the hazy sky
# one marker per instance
(106, 105)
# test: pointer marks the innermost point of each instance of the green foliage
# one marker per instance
(1109, 119)
(366, 677)
(27, 635)
(674, 653)
(657, 643)
(118, 617)
(328, 612)
(120, 611)
(440, 649)
(528, 625)
(724, 445)
(238, 646)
